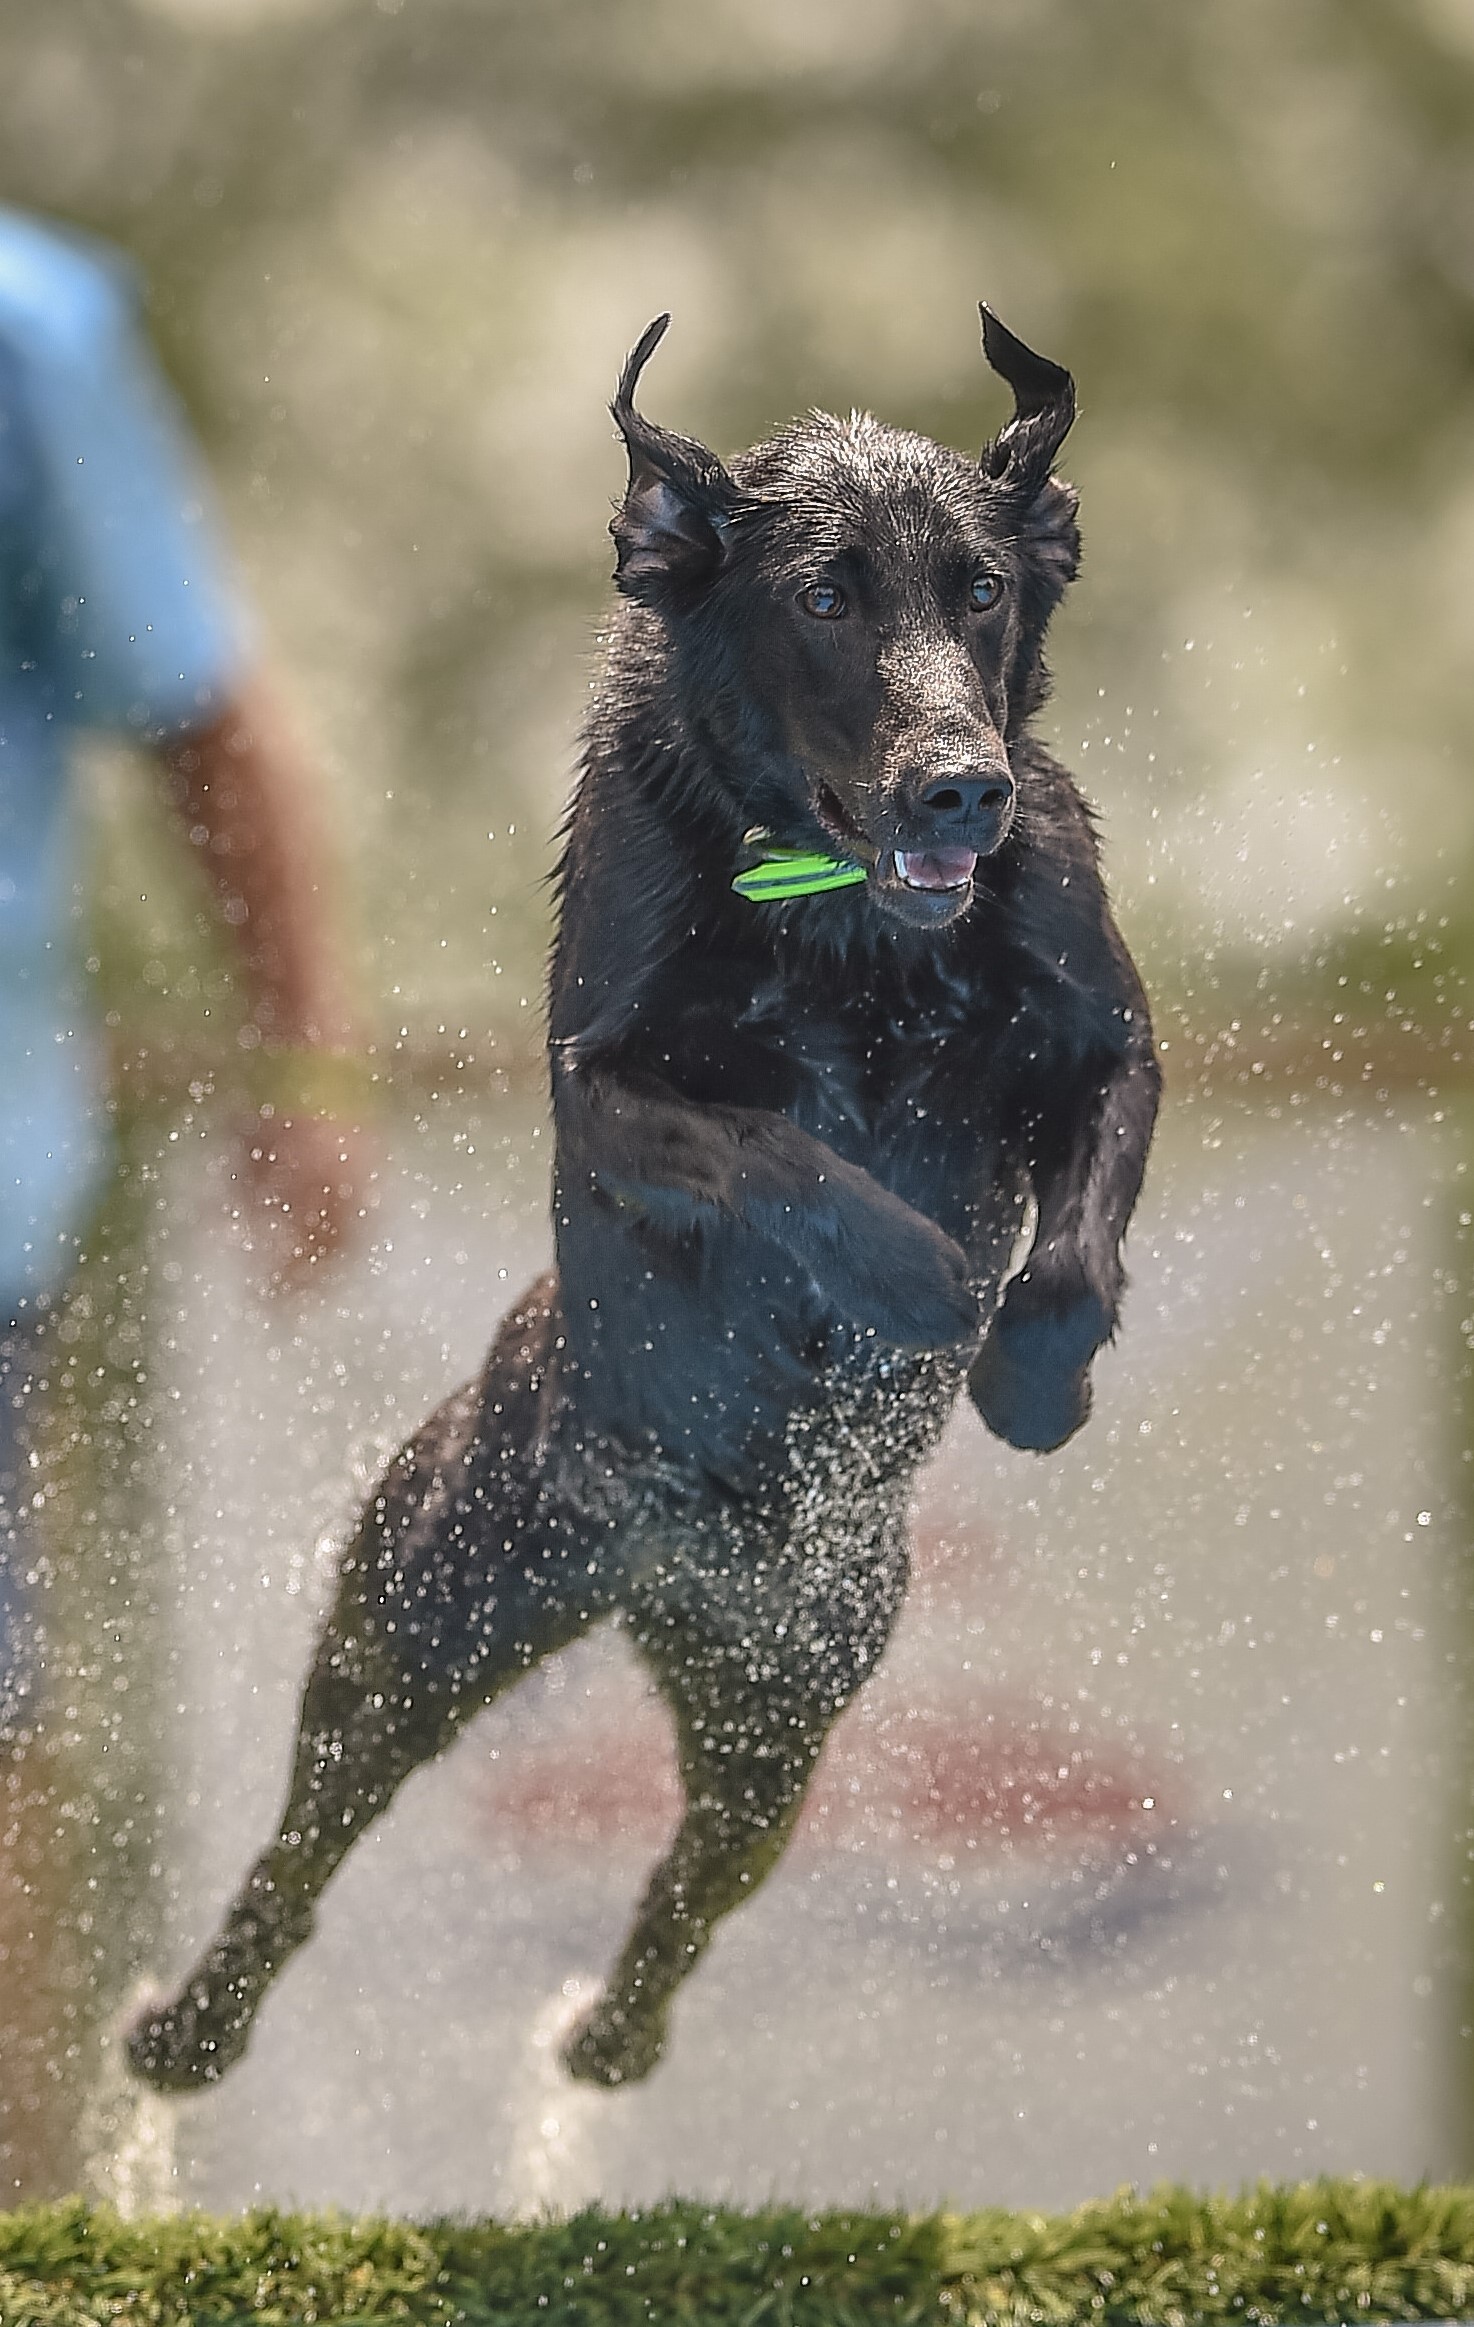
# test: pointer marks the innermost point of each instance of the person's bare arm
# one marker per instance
(245, 796)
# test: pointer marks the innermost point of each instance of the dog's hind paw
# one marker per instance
(177, 2049)
(611, 2047)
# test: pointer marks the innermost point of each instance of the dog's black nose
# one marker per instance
(957, 799)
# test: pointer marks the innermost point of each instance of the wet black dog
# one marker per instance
(800, 1142)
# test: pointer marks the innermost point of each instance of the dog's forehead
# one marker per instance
(857, 484)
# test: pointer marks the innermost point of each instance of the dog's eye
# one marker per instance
(986, 590)
(823, 601)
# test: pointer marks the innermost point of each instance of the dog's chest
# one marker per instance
(864, 1076)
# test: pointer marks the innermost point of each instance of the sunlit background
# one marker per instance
(1148, 1854)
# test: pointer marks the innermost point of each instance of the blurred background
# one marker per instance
(1172, 1877)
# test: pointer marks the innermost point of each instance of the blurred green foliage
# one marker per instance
(396, 249)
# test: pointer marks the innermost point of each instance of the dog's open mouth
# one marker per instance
(926, 886)
(929, 887)
(935, 868)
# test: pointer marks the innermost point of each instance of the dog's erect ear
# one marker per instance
(671, 527)
(1022, 454)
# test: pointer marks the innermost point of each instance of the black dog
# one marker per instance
(800, 1140)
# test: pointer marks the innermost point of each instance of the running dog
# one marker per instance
(853, 1084)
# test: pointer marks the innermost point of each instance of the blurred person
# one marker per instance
(117, 614)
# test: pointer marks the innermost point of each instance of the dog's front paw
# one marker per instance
(612, 2046)
(924, 1297)
(1031, 1379)
(178, 2047)
(906, 1279)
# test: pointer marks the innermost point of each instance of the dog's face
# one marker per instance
(880, 605)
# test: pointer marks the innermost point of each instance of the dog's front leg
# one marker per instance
(641, 1146)
(1031, 1379)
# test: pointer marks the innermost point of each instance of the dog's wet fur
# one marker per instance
(800, 1147)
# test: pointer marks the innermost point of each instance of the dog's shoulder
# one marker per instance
(623, 893)
(1058, 828)
(1053, 902)
(644, 879)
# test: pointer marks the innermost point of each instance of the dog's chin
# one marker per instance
(927, 889)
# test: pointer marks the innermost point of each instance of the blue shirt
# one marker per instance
(115, 613)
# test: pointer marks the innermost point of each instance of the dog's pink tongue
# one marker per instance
(936, 868)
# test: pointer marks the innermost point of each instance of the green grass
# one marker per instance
(1315, 2251)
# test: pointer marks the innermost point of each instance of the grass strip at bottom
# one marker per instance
(1312, 2251)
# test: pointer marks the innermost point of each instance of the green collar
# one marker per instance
(792, 872)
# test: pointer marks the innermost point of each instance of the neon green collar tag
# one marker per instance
(793, 872)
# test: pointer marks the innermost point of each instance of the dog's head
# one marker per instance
(863, 612)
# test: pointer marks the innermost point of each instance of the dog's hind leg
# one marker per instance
(464, 1572)
(754, 1695)
(742, 1799)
